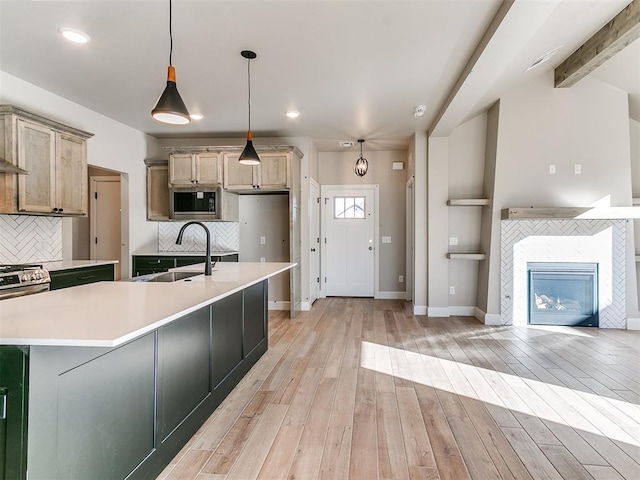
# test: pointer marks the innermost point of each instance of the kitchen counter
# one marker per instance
(108, 314)
(217, 253)
(73, 264)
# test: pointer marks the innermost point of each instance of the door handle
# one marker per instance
(313, 249)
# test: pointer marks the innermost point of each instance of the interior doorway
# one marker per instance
(314, 242)
(105, 219)
(349, 230)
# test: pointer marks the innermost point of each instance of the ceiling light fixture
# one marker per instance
(361, 166)
(73, 35)
(249, 156)
(292, 113)
(170, 108)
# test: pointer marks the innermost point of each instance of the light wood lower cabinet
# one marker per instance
(55, 155)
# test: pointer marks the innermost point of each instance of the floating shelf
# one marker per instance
(636, 201)
(571, 213)
(637, 258)
(468, 202)
(466, 256)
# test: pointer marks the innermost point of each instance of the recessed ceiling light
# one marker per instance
(292, 113)
(73, 35)
(346, 144)
(196, 116)
(543, 58)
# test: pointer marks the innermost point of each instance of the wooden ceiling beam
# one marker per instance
(623, 29)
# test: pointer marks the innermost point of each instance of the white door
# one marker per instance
(105, 220)
(314, 242)
(349, 249)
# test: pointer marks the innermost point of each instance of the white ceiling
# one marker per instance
(352, 68)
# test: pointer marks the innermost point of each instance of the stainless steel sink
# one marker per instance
(165, 277)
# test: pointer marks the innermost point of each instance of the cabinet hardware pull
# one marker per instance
(60, 210)
(86, 277)
(55, 209)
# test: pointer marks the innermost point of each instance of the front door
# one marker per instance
(349, 235)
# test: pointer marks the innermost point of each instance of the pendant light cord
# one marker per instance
(249, 81)
(170, 34)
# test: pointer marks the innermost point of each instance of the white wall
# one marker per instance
(114, 146)
(541, 125)
(336, 168)
(634, 137)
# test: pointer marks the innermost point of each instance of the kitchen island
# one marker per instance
(121, 375)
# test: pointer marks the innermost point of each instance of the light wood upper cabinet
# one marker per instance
(54, 154)
(273, 173)
(192, 169)
(157, 191)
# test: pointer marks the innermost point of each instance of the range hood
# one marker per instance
(6, 167)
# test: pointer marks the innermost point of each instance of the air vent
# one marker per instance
(346, 144)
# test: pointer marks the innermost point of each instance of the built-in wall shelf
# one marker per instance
(466, 256)
(468, 202)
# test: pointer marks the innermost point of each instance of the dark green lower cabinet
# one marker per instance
(184, 369)
(125, 412)
(227, 336)
(81, 276)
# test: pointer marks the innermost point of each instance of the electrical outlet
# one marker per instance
(577, 169)
(552, 169)
(400, 278)
(262, 259)
(452, 290)
(453, 241)
(263, 240)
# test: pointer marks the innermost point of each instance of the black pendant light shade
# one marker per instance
(249, 156)
(361, 166)
(170, 108)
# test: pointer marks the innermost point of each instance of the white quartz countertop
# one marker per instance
(107, 314)
(218, 253)
(71, 264)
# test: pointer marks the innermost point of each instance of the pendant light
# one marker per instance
(361, 166)
(249, 156)
(170, 108)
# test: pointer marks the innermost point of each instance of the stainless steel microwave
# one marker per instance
(195, 203)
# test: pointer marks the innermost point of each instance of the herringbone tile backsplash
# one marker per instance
(26, 239)
(224, 236)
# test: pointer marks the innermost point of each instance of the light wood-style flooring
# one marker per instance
(362, 389)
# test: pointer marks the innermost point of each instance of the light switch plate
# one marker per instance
(453, 241)
(577, 168)
(263, 240)
(386, 239)
(552, 169)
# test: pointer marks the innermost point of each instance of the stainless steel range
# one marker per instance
(25, 279)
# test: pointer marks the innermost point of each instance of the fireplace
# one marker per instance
(563, 293)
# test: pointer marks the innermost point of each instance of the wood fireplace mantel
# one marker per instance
(570, 213)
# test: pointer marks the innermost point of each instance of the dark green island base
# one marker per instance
(125, 412)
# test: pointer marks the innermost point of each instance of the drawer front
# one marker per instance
(81, 276)
(184, 261)
(153, 262)
(229, 258)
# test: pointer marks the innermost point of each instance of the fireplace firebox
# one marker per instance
(563, 293)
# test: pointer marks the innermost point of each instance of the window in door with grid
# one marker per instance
(349, 207)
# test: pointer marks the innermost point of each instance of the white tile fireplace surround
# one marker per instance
(596, 241)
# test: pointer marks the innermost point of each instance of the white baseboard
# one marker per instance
(438, 312)
(305, 306)
(462, 311)
(279, 305)
(633, 323)
(488, 318)
(391, 295)
(419, 309)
